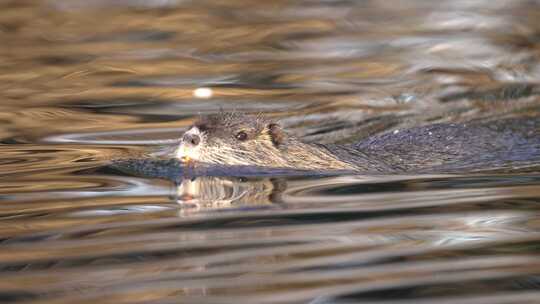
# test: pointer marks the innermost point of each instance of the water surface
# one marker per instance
(86, 82)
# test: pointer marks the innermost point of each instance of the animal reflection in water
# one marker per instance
(210, 187)
(220, 193)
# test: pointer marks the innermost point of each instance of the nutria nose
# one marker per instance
(192, 139)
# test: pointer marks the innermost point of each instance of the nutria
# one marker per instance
(241, 139)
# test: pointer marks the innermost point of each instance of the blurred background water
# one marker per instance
(85, 82)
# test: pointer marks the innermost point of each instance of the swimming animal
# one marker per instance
(238, 139)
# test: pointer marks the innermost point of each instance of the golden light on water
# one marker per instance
(204, 93)
(102, 200)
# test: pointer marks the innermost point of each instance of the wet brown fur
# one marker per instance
(267, 144)
(434, 146)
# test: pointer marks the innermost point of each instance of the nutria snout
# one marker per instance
(240, 139)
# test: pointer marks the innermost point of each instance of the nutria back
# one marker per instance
(452, 147)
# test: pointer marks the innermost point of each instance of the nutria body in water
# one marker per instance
(237, 139)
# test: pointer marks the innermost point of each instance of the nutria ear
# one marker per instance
(277, 134)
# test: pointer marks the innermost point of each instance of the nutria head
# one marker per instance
(233, 139)
(240, 139)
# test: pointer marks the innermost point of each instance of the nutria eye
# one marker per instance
(241, 136)
(202, 127)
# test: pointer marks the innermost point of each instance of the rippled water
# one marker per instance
(86, 82)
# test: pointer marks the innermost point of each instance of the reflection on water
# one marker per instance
(83, 83)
